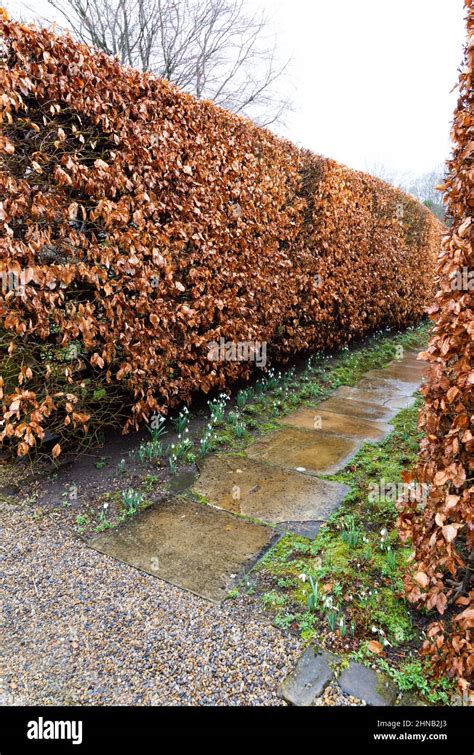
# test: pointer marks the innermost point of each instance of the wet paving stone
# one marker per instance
(392, 399)
(293, 448)
(329, 422)
(362, 682)
(404, 402)
(297, 502)
(193, 546)
(401, 372)
(411, 361)
(356, 393)
(309, 679)
(361, 409)
(409, 386)
(381, 385)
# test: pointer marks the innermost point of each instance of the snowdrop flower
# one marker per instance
(303, 577)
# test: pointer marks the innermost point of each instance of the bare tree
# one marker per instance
(213, 49)
(380, 170)
(424, 188)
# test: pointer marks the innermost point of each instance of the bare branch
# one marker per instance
(213, 49)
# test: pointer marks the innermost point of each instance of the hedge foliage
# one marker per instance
(442, 529)
(144, 224)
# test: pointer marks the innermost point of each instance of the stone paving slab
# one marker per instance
(408, 362)
(193, 546)
(410, 386)
(356, 393)
(398, 372)
(412, 363)
(308, 680)
(381, 385)
(394, 400)
(293, 448)
(404, 402)
(372, 686)
(352, 427)
(412, 354)
(361, 409)
(297, 502)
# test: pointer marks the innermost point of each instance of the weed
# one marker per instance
(104, 523)
(273, 599)
(284, 620)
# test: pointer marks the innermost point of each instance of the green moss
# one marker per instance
(273, 599)
(392, 615)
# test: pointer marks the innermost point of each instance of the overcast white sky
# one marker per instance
(372, 78)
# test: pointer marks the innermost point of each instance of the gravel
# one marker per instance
(82, 629)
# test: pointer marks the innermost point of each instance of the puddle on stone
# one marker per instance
(190, 545)
(399, 371)
(409, 385)
(381, 385)
(293, 448)
(339, 424)
(356, 393)
(298, 502)
(355, 408)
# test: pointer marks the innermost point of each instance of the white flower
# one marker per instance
(303, 577)
(374, 629)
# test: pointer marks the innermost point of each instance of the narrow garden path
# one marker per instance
(276, 484)
(87, 628)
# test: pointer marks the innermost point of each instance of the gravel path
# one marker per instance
(81, 628)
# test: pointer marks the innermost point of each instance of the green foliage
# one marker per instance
(132, 499)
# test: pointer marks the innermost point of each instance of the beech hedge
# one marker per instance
(441, 528)
(139, 224)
